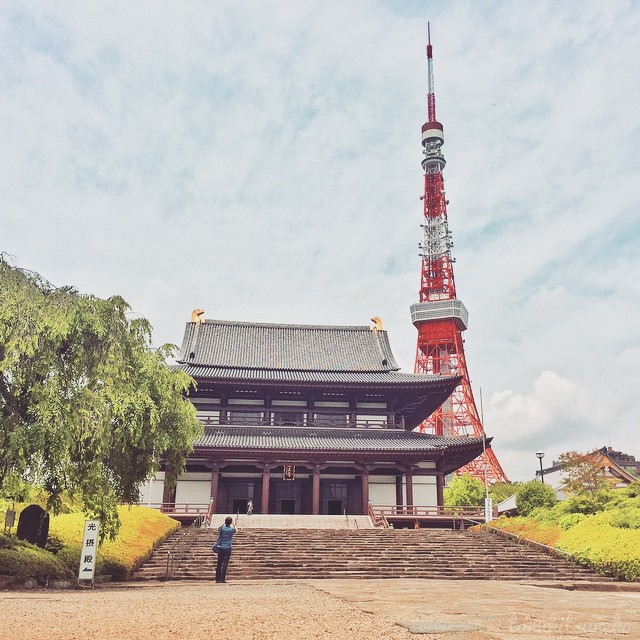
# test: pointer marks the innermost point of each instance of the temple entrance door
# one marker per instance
(238, 493)
(334, 507)
(239, 506)
(288, 497)
(288, 507)
(333, 497)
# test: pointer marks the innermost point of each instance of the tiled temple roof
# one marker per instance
(328, 439)
(220, 353)
(279, 347)
(328, 377)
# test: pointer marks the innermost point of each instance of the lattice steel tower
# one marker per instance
(439, 316)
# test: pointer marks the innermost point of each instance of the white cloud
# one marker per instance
(263, 162)
(555, 416)
(555, 408)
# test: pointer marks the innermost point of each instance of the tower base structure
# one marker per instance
(440, 351)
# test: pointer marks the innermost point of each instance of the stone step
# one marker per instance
(296, 553)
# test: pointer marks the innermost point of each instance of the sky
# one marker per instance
(261, 161)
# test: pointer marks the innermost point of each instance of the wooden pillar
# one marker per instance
(213, 491)
(440, 489)
(266, 473)
(365, 491)
(399, 494)
(409, 482)
(315, 503)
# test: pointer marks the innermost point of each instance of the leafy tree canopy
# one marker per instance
(500, 491)
(86, 404)
(464, 490)
(582, 473)
(532, 495)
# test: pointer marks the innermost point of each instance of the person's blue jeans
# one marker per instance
(223, 563)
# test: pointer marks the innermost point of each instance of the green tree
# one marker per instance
(583, 473)
(87, 405)
(633, 490)
(500, 491)
(464, 490)
(532, 495)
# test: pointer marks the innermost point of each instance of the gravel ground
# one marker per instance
(332, 609)
(193, 611)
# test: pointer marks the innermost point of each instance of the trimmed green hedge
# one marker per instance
(608, 540)
(23, 560)
(606, 548)
(543, 532)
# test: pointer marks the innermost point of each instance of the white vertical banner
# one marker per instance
(89, 550)
(488, 509)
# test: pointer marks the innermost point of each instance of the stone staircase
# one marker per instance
(260, 554)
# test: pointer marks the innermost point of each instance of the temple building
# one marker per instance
(306, 419)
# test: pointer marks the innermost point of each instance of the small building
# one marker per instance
(617, 467)
(610, 467)
(308, 419)
(625, 461)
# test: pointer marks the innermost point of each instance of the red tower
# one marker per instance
(439, 316)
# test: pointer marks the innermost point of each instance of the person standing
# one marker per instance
(249, 507)
(225, 536)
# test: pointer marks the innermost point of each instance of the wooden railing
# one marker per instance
(326, 420)
(428, 512)
(377, 519)
(181, 508)
(401, 515)
(209, 516)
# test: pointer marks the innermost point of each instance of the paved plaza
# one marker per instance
(328, 609)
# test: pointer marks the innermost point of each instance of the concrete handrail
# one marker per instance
(185, 541)
(554, 551)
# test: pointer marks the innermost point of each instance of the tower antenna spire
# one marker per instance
(431, 96)
(439, 316)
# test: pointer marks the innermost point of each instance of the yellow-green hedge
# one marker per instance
(606, 548)
(141, 530)
(68, 505)
(543, 532)
(593, 541)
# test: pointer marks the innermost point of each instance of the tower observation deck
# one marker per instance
(439, 316)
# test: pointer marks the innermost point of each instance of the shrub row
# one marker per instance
(601, 530)
(543, 532)
(606, 548)
(24, 560)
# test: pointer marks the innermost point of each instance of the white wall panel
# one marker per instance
(382, 493)
(193, 491)
(424, 492)
(152, 491)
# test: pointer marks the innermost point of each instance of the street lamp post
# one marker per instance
(540, 455)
